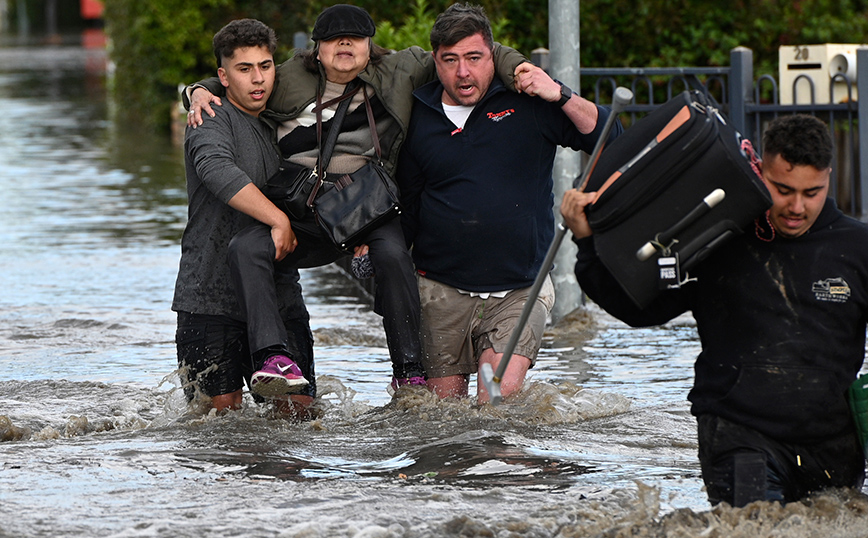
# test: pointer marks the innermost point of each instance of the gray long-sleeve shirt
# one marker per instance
(222, 156)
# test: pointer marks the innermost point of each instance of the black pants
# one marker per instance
(214, 355)
(740, 465)
(252, 266)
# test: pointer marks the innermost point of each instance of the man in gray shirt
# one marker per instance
(227, 161)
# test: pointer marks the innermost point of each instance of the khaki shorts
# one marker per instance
(457, 328)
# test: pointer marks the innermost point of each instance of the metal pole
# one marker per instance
(564, 46)
(740, 88)
(491, 379)
(51, 21)
(4, 14)
(23, 20)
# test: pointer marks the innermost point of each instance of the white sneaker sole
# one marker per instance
(270, 385)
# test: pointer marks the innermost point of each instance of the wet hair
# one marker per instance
(800, 140)
(242, 33)
(310, 62)
(458, 22)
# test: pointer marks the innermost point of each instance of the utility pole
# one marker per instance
(564, 46)
(4, 14)
(52, 34)
(23, 20)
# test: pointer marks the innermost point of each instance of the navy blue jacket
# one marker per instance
(782, 325)
(478, 201)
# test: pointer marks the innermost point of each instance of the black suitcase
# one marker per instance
(659, 208)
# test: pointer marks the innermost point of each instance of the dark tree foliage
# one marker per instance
(159, 44)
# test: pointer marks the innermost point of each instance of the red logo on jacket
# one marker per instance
(497, 116)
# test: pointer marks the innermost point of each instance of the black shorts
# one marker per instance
(214, 354)
(741, 465)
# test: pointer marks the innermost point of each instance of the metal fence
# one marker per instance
(740, 97)
(741, 101)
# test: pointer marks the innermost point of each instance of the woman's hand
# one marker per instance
(200, 101)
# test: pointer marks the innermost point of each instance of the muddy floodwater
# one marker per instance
(96, 439)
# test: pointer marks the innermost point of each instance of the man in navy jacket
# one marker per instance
(781, 313)
(476, 181)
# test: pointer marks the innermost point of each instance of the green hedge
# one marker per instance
(154, 46)
(158, 44)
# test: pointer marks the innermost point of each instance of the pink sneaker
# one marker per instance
(398, 382)
(278, 376)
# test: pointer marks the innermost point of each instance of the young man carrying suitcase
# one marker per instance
(781, 313)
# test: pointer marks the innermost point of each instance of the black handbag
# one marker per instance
(357, 204)
(291, 187)
(353, 205)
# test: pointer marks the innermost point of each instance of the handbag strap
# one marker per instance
(373, 125)
(325, 151)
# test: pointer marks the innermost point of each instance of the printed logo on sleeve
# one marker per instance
(835, 290)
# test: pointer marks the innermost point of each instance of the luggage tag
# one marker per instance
(669, 271)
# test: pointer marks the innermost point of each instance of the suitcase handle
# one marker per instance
(701, 247)
(663, 241)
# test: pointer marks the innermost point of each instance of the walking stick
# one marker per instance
(491, 379)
